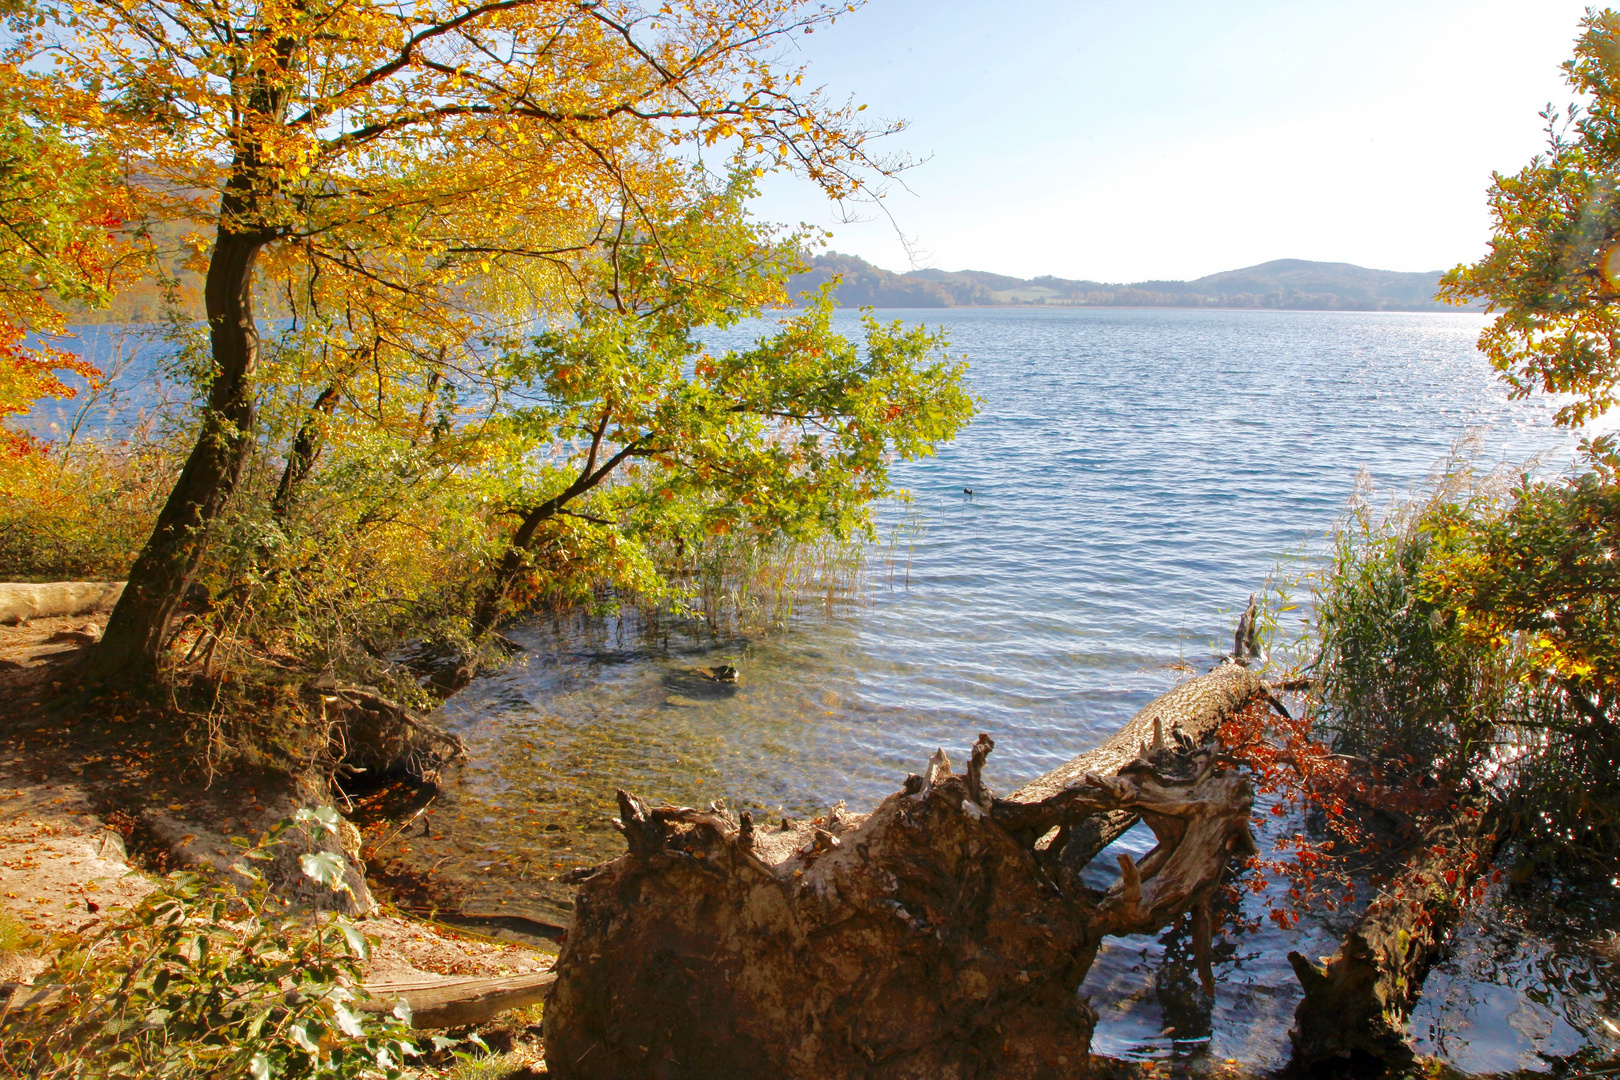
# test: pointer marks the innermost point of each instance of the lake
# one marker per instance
(1134, 476)
(1087, 543)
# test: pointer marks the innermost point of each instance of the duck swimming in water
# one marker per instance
(723, 673)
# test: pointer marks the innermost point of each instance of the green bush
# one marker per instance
(1468, 638)
(202, 979)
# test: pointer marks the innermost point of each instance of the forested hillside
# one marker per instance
(1282, 283)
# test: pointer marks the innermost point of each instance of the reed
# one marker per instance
(1430, 668)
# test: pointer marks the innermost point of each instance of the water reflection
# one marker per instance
(1532, 978)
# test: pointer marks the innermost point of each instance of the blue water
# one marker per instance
(1135, 475)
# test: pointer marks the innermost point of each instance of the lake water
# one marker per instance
(1135, 475)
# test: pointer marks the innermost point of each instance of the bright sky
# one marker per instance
(1119, 140)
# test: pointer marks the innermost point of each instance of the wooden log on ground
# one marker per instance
(1357, 1000)
(435, 1003)
(447, 1003)
(924, 939)
(21, 602)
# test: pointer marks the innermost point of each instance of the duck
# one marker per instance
(722, 673)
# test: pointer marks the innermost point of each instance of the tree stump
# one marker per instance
(945, 934)
(1357, 1001)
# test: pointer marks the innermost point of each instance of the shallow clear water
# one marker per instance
(1135, 475)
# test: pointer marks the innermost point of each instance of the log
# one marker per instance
(1186, 715)
(21, 602)
(434, 1003)
(1357, 1000)
(925, 939)
(447, 1003)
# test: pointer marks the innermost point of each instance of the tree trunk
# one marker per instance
(1356, 1004)
(167, 565)
(305, 448)
(926, 939)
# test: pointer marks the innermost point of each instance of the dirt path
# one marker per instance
(64, 867)
(63, 870)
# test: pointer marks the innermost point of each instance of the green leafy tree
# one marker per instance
(655, 439)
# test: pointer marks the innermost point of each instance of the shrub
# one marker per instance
(1469, 636)
(204, 980)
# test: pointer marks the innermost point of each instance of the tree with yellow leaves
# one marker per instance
(433, 172)
(64, 236)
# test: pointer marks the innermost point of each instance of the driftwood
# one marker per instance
(447, 1003)
(945, 934)
(434, 1003)
(1357, 1001)
(21, 602)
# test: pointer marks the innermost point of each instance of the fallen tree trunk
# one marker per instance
(1357, 1001)
(945, 934)
(434, 1003)
(447, 1003)
(21, 602)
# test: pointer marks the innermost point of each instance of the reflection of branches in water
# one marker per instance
(1187, 1010)
(1551, 942)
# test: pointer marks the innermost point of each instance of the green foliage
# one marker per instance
(1536, 579)
(1468, 637)
(203, 980)
(654, 442)
(1553, 270)
(1399, 682)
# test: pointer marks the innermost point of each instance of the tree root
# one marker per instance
(925, 939)
(380, 737)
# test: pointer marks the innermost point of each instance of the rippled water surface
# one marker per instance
(1135, 474)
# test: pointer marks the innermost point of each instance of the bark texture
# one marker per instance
(1357, 1000)
(940, 936)
(139, 627)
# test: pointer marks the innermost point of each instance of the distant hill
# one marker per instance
(1295, 284)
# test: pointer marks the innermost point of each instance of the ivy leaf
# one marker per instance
(357, 941)
(324, 816)
(299, 1033)
(259, 1067)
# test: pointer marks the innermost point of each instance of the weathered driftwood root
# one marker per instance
(382, 738)
(926, 939)
(1356, 1003)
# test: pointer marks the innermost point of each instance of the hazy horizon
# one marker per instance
(1150, 277)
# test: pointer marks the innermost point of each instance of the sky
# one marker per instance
(1122, 140)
